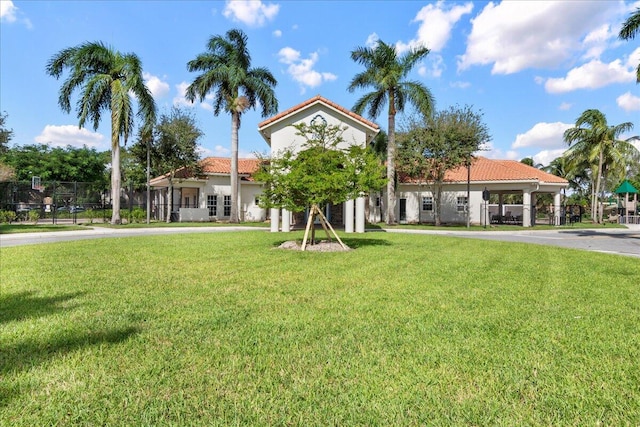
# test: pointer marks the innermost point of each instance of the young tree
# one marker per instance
(594, 142)
(174, 147)
(108, 80)
(320, 173)
(386, 72)
(236, 86)
(444, 142)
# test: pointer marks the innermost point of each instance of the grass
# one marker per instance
(39, 228)
(221, 329)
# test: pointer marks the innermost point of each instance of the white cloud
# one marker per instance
(628, 102)
(8, 11)
(372, 40)
(460, 84)
(515, 35)
(157, 87)
(565, 106)
(545, 157)
(549, 135)
(301, 69)
(435, 68)
(254, 13)
(179, 100)
(61, 136)
(436, 21)
(277, 33)
(592, 75)
(597, 41)
(9, 14)
(634, 58)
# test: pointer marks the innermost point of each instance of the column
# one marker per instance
(275, 219)
(286, 221)
(360, 204)
(348, 216)
(526, 208)
(557, 205)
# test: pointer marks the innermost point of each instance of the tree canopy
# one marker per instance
(236, 87)
(108, 81)
(431, 147)
(386, 73)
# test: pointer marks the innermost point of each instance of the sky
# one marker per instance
(530, 67)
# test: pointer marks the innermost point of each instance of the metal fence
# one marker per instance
(71, 202)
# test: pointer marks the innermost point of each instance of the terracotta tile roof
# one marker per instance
(216, 165)
(483, 169)
(222, 165)
(311, 101)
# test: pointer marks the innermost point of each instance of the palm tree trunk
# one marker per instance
(597, 189)
(235, 124)
(169, 199)
(391, 165)
(115, 179)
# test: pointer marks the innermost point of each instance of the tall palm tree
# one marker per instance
(630, 29)
(593, 140)
(226, 71)
(106, 79)
(386, 72)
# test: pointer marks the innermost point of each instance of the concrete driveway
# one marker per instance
(608, 240)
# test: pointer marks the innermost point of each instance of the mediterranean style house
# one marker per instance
(207, 197)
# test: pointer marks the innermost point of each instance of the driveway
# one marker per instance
(618, 241)
(609, 240)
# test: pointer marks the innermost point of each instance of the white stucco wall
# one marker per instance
(283, 134)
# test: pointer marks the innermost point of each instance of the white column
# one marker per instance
(556, 208)
(526, 208)
(360, 214)
(275, 219)
(348, 216)
(286, 221)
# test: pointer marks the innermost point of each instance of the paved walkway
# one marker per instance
(608, 240)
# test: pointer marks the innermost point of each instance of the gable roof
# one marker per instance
(486, 170)
(264, 125)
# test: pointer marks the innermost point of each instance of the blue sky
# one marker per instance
(532, 67)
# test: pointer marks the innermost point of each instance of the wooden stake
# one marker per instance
(306, 230)
(322, 217)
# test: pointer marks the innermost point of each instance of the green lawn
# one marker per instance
(221, 329)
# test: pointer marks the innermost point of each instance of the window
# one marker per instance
(227, 205)
(427, 203)
(256, 201)
(377, 202)
(212, 204)
(462, 204)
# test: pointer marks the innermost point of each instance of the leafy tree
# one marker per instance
(68, 164)
(5, 134)
(107, 79)
(320, 173)
(385, 72)
(443, 142)
(530, 162)
(236, 86)
(630, 29)
(595, 143)
(174, 146)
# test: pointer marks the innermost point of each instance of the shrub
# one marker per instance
(7, 216)
(34, 216)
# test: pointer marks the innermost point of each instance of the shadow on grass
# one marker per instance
(26, 305)
(355, 243)
(592, 233)
(31, 352)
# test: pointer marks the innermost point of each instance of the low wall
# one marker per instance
(194, 215)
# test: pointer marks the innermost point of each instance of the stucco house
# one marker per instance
(208, 196)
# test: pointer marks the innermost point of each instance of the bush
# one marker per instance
(91, 214)
(7, 216)
(34, 216)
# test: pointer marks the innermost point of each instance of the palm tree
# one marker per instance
(226, 70)
(594, 142)
(629, 30)
(385, 73)
(106, 79)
